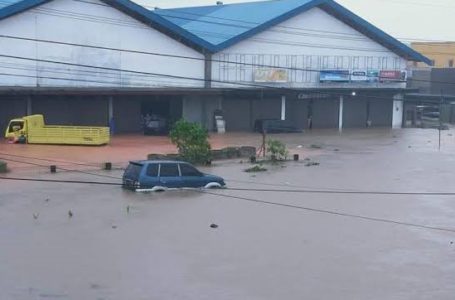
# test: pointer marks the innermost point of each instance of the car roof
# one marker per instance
(157, 161)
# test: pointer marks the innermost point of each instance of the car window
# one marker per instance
(169, 170)
(152, 170)
(188, 170)
(133, 171)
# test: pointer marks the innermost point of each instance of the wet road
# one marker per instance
(164, 247)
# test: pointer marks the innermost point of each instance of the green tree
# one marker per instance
(192, 142)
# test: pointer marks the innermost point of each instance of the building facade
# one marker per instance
(311, 63)
(441, 54)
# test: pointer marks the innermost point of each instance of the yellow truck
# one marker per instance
(32, 130)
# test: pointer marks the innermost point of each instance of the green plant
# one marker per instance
(191, 140)
(255, 169)
(277, 149)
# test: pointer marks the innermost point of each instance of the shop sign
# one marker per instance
(303, 96)
(373, 75)
(270, 75)
(386, 75)
(334, 76)
(359, 76)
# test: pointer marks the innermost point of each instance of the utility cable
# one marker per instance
(334, 213)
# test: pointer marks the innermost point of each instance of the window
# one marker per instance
(152, 170)
(132, 171)
(450, 63)
(188, 170)
(169, 170)
(16, 126)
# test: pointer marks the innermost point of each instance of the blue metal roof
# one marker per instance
(217, 27)
(225, 25)
(230, 21)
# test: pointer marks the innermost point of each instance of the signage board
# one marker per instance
(270, 75)
(303, 96)
(392, 75)
(334, 76)
(373, 75)
(359, 76)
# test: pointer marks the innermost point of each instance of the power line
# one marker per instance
(334, 213)
(51, 160)
(61, 168)
(176, 76)
(179, 77)
(92, 18)
(182, 57)
(123, 79)
(307, 191)
(298, 29)
(60, 181)
(310, 209)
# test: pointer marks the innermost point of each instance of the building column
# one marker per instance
(397, 114)
(340, 115)
(29, 106)
(110, 108)
(110, 114)
(283, 108)
(207, 70)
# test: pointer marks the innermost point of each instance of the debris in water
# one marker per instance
(70, 214)
(336, 150)
(128, 209)
(114, 226)
(213, 226)
(35, 216)
(47, 200)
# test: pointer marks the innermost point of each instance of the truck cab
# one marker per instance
(15, 130)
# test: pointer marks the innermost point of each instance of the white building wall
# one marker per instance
(98, 24)
(313, 40)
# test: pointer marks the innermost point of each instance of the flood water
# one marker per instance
(124, 245)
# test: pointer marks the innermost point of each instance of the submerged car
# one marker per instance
(153, 175)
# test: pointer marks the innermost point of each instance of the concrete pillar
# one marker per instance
(110, 108)
(340, 114)
(110, 115)
(207, 70)
(397, 115)
(29, 106)
(283, 108)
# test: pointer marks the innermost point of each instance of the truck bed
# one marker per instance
(69, 135)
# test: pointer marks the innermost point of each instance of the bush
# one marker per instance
(255, 169)
(191, 140)
(277, 149)
(3, 167)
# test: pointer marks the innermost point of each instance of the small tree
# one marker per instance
(191, 140)
(277, 149)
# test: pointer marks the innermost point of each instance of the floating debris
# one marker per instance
(213, 226)
(70, 214)
(36, 216)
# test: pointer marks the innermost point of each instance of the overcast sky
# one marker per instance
(416, 19)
